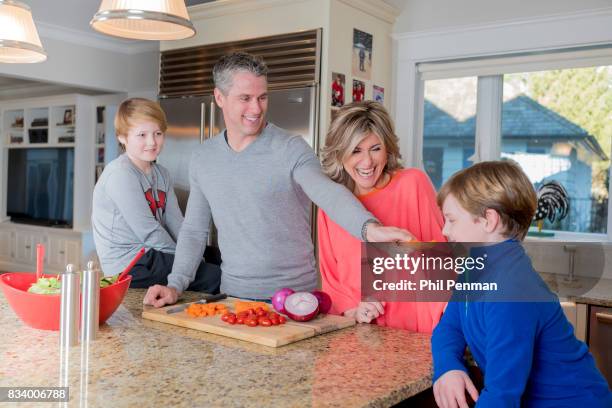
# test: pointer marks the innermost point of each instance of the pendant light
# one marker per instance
(19, 41)
(144, 19)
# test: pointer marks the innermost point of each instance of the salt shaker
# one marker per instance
(69, 309)
(90, 313)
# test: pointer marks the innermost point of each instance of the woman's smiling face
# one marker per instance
(366, 163)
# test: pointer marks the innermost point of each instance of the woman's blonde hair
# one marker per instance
(134, 109)
(498, 185)
(353, 123)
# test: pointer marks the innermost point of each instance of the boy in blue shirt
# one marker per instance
(526, 349)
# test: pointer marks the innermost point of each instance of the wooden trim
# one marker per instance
(582, 317)
(376, 8)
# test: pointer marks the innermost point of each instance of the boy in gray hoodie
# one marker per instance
(134, 204)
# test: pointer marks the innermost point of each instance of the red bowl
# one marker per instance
(43, 311)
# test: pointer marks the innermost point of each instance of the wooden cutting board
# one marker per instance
(273, 336)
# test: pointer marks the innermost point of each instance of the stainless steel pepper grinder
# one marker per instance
(69, 309)
(90, 314)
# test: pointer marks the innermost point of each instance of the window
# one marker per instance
(556, 125)
(449, 127)
(551, 114)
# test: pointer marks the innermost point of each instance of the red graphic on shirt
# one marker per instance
(154, 205)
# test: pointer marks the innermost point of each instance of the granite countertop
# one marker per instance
(136, 362)
(588, 290)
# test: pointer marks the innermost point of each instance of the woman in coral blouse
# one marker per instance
(361, 152)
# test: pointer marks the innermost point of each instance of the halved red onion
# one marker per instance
(278, 299)
(325, 302)
(301, 306)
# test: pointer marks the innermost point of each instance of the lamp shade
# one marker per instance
(144, 19)
(19, 41)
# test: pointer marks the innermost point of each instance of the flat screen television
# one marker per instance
(40, 186)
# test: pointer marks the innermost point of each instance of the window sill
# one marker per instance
(564, 236)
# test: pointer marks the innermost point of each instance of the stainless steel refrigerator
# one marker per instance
(192, 120)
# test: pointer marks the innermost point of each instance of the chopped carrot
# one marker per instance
(205, 309)
(240, 306)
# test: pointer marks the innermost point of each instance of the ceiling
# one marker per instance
(16, 88)
(74, 15)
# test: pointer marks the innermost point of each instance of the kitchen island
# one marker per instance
(136, 362)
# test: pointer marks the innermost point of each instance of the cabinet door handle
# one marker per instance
(61, 252)
(604, 317)
(28, 247)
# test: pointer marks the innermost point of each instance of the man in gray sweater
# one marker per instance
(255, 182)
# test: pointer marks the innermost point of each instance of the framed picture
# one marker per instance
(358, 90)
(18, 123)
(337, 90)
(378, 94)
(69, 116)
(362, 54)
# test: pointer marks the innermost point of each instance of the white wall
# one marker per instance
(90, 67)
(423, 15)
(240, 20)
(343, 19)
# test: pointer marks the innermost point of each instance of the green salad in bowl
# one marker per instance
(53, 286)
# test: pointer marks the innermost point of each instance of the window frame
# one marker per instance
(488, 139)
(522, 37)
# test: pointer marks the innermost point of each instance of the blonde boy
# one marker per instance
(526, 350)
(134, 204)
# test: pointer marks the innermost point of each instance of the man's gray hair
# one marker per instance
(229, 64)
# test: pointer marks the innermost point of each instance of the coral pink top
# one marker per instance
(408, 201)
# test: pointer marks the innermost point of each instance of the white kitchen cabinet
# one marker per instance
(18, 248)
(62, 122)
(25, 246)
(7, 247)
(69, 122)
(62, 251)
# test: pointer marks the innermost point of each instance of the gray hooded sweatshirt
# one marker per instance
(132, 210)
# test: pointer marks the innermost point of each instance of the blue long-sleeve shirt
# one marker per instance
(526, 350)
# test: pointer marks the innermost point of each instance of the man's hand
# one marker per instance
(158, 296)
(449, 390)
(378, 233)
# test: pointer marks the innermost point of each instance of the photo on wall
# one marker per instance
(358, 90)
(362, 54)
(378, 94)
(337, 89)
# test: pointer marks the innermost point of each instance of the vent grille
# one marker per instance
(292, 61)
